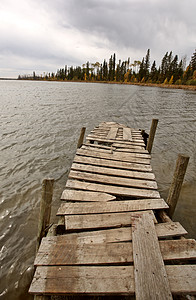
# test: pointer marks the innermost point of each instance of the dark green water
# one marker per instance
(40, 125)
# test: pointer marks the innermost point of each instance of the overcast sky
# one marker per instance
(44, 35)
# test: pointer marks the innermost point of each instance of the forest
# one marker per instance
(171, 71)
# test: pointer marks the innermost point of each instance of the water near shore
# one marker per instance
(40, 125)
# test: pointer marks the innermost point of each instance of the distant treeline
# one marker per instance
(171, 71)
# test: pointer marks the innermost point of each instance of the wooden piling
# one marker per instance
(45, 209)
(152, 134)
(176, 184)
(81, 138)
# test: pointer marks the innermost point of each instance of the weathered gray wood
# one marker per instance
(152, 134)
(113, 190)
(123, 234)
(96, 149)
(104, 140)
(174, 191)
(112, 133)
(105, 280)
(115, 180)
(127, 134)
(109, 207)
(59, 251)
(151, 280)
(113, 171)
(128, 146)
(75, 195)
(112, 163)
(45, 209)
(81, 138)
(164, 217)
(127, 157)
(90, 221)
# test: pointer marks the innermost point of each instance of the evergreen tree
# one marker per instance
(193, 61)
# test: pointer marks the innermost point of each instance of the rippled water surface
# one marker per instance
(40, 125)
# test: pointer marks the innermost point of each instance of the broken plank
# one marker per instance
(101, 280)
(112, 133)
(78, 222)
(113, 171)
(97, 149)
(104, 140)
(124, 234)
(113, 190)
(110, 207)
(127, 157)
(75, 195)
(112, 163)
(127, 134)
(114, 180)
(57, 251)
(151, 280)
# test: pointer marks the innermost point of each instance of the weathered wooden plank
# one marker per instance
(57, 251)
(112, 163)
(101, 280)
(109, 207)
(100, 146)
(127, 146)
(124, 234)
(113, 190)
(96, 149)
(138, 140)
(75, 195)
(113, 171)
(104, 140)
(127, 134)
(112, 133)
(151, 280)
(129, 157)
(100, 220)
(115, 180)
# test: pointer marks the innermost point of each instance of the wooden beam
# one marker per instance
(76, 195)
(175, 188)
(151, 280)
(45, 209)
(152, 134)
(81, 138)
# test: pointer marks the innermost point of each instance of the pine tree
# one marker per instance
(193, 61)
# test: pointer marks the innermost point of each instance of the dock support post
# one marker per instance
(81, 138)
(175, 188)
(152, 135)
(45, 209)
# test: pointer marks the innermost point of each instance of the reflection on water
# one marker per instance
(40, 124)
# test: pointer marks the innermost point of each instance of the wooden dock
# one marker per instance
(115, 236)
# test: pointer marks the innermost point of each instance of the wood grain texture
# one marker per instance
(113, 190)
(110, 207)
(123, 234)
(58, 251)
(151, 280)
(129, 157)
(113, 171)
(105, 280)
(75, 195)
(112, 163)
(104, 140)
(112, 133)
(90, 221)
(114, 180)
(127, 134)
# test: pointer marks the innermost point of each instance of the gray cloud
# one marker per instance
(49, 34)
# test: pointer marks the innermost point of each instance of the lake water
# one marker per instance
(40, 125)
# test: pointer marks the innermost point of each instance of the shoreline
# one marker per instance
(159, 85)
